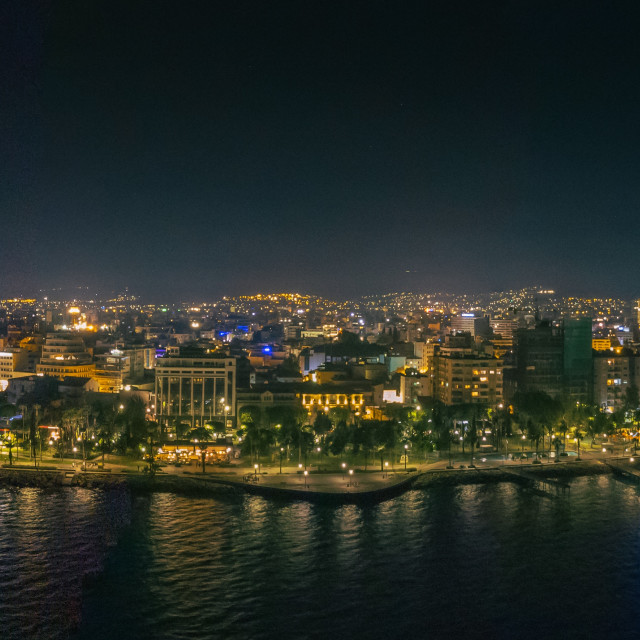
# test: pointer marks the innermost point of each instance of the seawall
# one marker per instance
(498, 474)
(224, 488)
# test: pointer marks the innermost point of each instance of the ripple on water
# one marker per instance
(49, 542)
(473, 561)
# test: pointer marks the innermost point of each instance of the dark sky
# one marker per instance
(194, 149)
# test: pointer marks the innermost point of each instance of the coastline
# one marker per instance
(223, 487)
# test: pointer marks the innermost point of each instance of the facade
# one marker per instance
(115, 368)
(504, 328)
(196, 390)
(266, 399)
(406, 390)
(468, 378)
(540, 359)
(556, 359)
(13, 364)
(65, 355)
(578, 360)
(613, 374)
(470, 323)
(343, 398)
(33, 348)
(11, 361)
(602, 344)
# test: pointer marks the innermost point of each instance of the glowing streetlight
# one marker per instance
(406, 455)
(306, 473)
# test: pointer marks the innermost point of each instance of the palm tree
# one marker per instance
(534, 433)
(599, 424)
(387, 433)
(9, 442)
(578, 434)
(104, 441)
(472, 437)
(339, 438)
(364, 437)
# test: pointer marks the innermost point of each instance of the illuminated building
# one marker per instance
(119, 366)
(613, 374)
(196, 390)
(468, 378)
(602, 344)
(327, 397)
(65, 355)
(470, 323)
(13, 364)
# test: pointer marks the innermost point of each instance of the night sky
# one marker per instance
(196, 149)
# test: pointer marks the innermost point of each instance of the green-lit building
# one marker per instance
(556, 359)
(578, 359)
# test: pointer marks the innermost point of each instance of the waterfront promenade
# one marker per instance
(316, 485)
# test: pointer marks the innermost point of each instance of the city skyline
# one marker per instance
(475, 298)
(319, 319)
(342, 150)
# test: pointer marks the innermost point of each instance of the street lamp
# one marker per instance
(350, 477)
(281, 452)
(255, 470)
(344, 466)
(406, 455)
(386, 468)
(306, 473)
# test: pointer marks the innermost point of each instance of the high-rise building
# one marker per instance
(465, 375)
(470, 323)
(613, 375)
(556, 359)
(578, 360)
(540, 359)
(197, 391)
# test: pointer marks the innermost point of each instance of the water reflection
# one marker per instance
(491, 561)
(49, 542)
